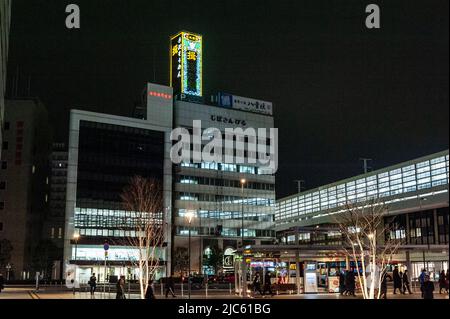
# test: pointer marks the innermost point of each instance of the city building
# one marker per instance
(415, 194)
(104, 153)
(24, 183)
(53, 226)
(5, 21)
(226, 210)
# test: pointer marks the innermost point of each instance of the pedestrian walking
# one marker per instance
(341, 282)
(428, 288)
(268, 284)
(257, 284)
(422, 280)
(442, 282)
(383, 286)
(92, 284)
(170, 287)
(149, 293)
(397, 280)
(120, 288)
(405, 282)
(2, 282)
(446, 280)
(350, 283)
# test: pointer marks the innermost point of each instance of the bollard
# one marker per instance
(182, 289)
(230, 287)
(206, 291)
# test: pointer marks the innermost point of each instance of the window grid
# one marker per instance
(410, 178)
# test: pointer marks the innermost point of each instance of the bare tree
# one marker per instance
(368, 242)
(144, 225)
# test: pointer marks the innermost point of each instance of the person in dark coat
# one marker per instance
(341, 282)
(93, 284)
(2, 282)
(383, 285)
(446, 280)
(350, 283)
(428, 288)
(267, 283)
(257, 284)
(120, 287)
(405, 281)
(149, 293)
(442, 282)
(170, 287)
(397, 280)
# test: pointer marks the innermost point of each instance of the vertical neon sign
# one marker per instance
(186, 63)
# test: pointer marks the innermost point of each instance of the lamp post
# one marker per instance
(76, 237)
(8, 270)
(189, 216)
(243, 270)
(425, 263)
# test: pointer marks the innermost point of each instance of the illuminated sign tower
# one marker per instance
(186, 63)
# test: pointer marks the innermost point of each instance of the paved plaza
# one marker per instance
(52, 292)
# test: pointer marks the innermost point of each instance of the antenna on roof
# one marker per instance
(365, 161)
(300, 183)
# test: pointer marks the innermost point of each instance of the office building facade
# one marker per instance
(104, 153)
(226, 211)
(24, 191)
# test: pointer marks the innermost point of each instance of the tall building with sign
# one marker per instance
(105, 151)
(186, 64)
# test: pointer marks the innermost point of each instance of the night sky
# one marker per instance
(340, 91)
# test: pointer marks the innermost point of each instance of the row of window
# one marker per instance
(225, 199)
(227, 167)
(224, 232)
(183, 179)
(228, 215)
(421, 230)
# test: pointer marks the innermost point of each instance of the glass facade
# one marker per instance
(108, 157)
(405, 179)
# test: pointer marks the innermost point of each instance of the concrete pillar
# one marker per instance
(407, 231)
(408, 263)
(347, 263)
(436, 227)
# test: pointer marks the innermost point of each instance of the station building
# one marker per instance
(415, 194)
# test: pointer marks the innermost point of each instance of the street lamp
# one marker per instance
(243, 270)
(189, 216)
(243, 181)
(76, 237)
(8, 270)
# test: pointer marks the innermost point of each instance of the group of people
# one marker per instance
(267, 284)
(347, 282)
(400, 280)
(120, 288)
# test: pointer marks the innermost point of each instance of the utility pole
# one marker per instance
(300, 183)
(365, 161)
